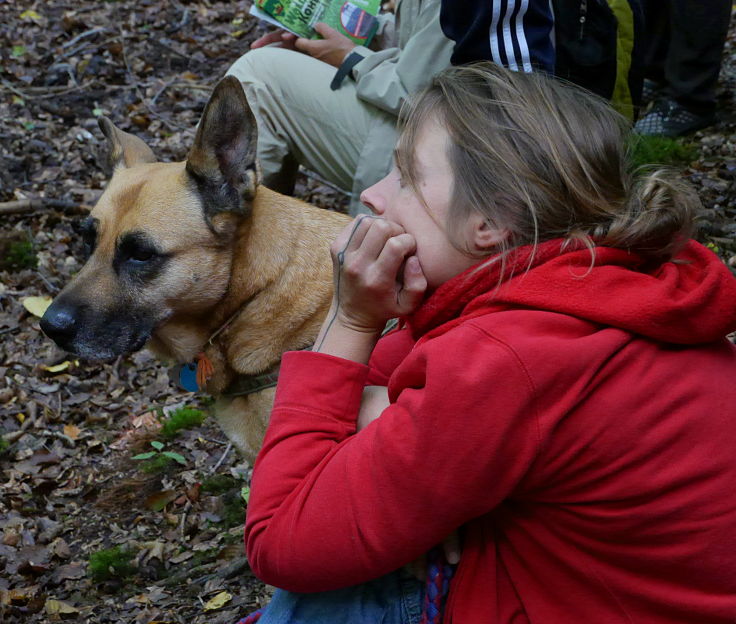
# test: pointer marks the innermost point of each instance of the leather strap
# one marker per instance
(351, 60)
(248, 384)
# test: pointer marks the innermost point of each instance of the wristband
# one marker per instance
(351, 60)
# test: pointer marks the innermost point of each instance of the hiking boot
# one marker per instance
(668, 118)
(650, 91)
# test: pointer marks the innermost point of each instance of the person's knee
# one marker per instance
(261, 66)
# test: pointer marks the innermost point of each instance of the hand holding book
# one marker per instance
(282, 37)
(332, 48)
(355, 19)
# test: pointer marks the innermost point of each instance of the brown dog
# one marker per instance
(195, 258)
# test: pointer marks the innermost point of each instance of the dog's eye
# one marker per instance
(137, 253)
(141, 254)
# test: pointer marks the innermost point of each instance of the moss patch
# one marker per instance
(658, 150)
(110, 563)
(182, 418)
(19, 254)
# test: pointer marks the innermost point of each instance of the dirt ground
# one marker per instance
(69, 486)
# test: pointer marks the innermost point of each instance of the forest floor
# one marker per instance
(87, 532)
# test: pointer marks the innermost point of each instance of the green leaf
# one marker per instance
(29, 125)
(30, 14)
(157, 445)
(98, 112)
(144, 455)
(245, 493)
(175, 456)
(18, 50)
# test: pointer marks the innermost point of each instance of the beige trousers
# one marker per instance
(301, 120)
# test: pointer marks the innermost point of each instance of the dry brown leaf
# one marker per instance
(58, 607)
(72, 431)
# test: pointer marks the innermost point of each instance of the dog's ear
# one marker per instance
(124, 150)
(222, 160)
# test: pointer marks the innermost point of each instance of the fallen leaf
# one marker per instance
(57, 607)
(187, 554)
(156, 502)
(30, 14)
(37, 305)
(72, 431)
(57, 368)
(69, 571)
(218, 601)
(18, 595)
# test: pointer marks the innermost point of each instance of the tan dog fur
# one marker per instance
(263, 258)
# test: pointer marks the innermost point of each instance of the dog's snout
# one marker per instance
(59, 323)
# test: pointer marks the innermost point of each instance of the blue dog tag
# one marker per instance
(187, 378)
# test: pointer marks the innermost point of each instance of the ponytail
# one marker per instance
(657, 218)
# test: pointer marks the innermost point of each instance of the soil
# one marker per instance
(69, 484)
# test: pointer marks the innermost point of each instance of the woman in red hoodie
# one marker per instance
(560, 390)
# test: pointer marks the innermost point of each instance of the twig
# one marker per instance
(23, 206)
(222, 459)
(183, 525)
(220, 442)
(46, 92)
(52, 287)
(86, 33)
(171, 50)
(192, 85)
(165, 86)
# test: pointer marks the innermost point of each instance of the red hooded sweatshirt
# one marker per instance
(578, 423)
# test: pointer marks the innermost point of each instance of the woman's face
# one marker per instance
(424, 213)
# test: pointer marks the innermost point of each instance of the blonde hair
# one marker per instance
(544, 159)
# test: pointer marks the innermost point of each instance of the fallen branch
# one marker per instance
(23, 206)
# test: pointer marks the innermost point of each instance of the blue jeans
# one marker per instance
(392, 599)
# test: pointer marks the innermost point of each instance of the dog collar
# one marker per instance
(243, 385)
(185, 377)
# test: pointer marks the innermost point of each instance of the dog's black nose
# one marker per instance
(59, 323)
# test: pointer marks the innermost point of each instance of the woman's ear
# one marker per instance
(484, 235)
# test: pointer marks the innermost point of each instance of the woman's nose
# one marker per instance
(371, 198)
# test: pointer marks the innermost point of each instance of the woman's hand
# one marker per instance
(377, 276)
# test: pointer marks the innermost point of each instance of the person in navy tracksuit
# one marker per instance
(578, 40)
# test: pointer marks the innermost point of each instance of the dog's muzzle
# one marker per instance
(93, 334)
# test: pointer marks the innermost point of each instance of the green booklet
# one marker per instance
(355, 19)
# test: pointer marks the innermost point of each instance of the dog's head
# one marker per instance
(160, 237)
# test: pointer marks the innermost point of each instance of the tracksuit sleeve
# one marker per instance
(330, 508)
(518, 34)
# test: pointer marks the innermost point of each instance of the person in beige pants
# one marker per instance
(346, 133)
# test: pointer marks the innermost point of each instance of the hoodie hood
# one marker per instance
(690, 299)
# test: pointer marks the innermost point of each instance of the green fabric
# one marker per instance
(621, 98)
